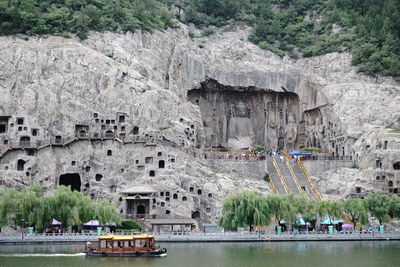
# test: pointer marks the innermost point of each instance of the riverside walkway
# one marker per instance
(211, 237)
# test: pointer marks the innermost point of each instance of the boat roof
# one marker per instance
(125, 237)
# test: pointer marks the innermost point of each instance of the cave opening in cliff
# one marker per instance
(396, 166)
(71, 179)
(241, 117)
(3, 124)
(20, 164)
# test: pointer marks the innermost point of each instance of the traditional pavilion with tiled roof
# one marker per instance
(138, 200)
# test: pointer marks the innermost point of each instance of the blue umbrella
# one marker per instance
(299, 153)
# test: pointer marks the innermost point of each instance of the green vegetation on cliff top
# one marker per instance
(369, 29)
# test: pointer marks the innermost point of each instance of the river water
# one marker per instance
(346, 253)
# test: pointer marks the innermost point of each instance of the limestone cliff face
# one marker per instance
(115, 107)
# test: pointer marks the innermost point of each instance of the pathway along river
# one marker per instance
(364, 253)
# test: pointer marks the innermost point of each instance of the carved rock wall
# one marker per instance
(67, 89)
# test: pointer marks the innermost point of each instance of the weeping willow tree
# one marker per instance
(71, 207)
(378, 205)
(30, 207)
(8, 206)
(247, 208)
(293, 206)
(22, 208)
(278, 207)
(357, 211)
(105, 212)
(394, 207)
(332, 209)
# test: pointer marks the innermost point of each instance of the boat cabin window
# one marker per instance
(109, 243)
(117, 244)
(126, 244)
(140, 243)
(102, 243)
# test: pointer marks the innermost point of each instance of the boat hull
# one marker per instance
(157, 253)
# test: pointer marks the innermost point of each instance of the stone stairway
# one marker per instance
(303, 180)
(273, 174)
(291, 184)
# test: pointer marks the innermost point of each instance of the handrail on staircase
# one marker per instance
(271, 183)
(278, 170)
(286, 155)
(308, 179)
(296, 181)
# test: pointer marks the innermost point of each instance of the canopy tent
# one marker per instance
(299, 153)
(92, 223)
(328, 221)
(300, 221)
(55, 222)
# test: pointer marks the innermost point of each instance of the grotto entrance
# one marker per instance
(141, 209)
(240, 117)
(71, 179)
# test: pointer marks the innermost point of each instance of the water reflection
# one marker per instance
(374, 253)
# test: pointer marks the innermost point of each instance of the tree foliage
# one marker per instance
(394, 207)
(129, 225)
(356, 210)
(30, 207)
(79, 16)
(369, 29)
(245, 209)
(378, 206)
(249, 208)
(331, 209)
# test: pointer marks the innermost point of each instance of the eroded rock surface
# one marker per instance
(121, 110)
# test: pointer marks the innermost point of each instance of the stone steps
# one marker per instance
(303, 180)
(273, 174)
(291, 184)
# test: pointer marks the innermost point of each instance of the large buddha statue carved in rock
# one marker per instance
(240, 130)
(310, 130)
(319, 131)
(291, 132)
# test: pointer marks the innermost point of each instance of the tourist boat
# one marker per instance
(125, 246)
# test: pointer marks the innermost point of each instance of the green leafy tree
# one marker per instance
(279, 207)
(356, 210)
(106, 212)
(129, 225)
(378, 205)
(245, 209)
(30, 207)
(394, 207)
(8, 206)
(331, 209)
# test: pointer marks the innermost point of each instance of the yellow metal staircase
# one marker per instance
(278, 170)
(308, 179)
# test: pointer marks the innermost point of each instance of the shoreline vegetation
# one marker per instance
(251, 209)
(30, 207)
(368, 29)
